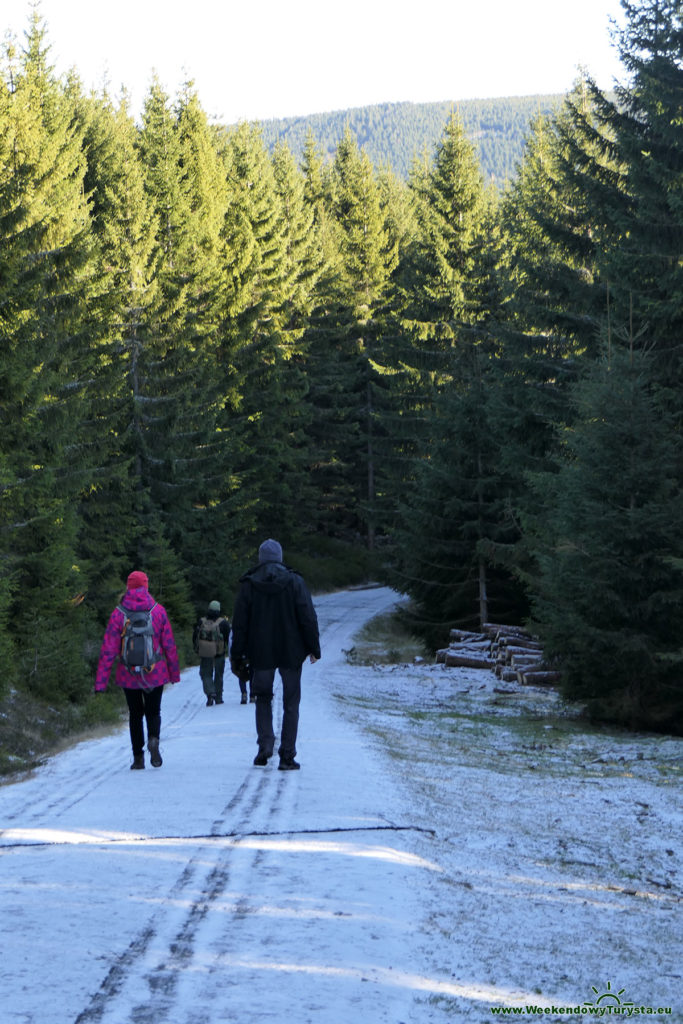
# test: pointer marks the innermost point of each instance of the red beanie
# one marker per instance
(137, 579)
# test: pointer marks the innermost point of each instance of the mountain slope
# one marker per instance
(394, 134)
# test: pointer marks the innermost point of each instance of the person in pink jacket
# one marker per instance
(143, 688)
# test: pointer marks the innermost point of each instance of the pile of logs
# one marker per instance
(509, 651)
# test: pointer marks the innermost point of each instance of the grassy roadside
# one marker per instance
(385, 641)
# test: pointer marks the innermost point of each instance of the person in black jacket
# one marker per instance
(274, 626)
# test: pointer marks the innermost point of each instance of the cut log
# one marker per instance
(454, 660)
(464, 634)
(516, 641)
(469, 647)
(538, 678)
(522, 660)
(523, 649)
(469, 644)
(501, 631)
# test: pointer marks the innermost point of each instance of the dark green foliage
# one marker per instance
(452, 518)
(46, 270)
(628, 161)
(608, 541)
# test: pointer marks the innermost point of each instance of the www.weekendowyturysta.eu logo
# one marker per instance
(608, 1002)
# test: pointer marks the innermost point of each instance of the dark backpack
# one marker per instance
(137, 639)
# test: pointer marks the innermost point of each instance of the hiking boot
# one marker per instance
(138, 761)
(154, 755)
(219, 700)
(243, 699)
(209, 701)
(252, 699)
(288, 764)
(261, 760)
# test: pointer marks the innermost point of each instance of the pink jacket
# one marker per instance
(166, 670)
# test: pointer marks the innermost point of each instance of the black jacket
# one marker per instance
(274, 622)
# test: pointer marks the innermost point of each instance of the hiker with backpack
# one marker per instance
(210, 641)
(274, 626)
(139, 634)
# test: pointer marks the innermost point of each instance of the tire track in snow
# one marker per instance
(260, 795)
(236, 866)
(130, 970)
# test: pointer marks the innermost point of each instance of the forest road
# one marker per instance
(210, 890)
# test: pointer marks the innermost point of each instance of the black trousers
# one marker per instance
(143, 704)
(262, 688)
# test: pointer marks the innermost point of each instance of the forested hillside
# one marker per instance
(477, 395)
(394, 135)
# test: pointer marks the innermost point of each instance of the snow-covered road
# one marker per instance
(447, 850)
(210, 890)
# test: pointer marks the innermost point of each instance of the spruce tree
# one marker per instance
(125, 228)
(345, 353)
(606, 536)
(185, 463)
(453, 518)
(300, 269)
(46, 274)
(264, 327)
(552, 300)
(627, 158)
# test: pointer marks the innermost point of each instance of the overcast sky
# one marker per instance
(281, 58)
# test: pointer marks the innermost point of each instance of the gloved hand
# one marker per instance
(240, 667)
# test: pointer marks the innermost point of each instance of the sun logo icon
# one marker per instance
(608, 996)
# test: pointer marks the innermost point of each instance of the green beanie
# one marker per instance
(215, 606)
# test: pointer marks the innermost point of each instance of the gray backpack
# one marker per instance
(137, 639)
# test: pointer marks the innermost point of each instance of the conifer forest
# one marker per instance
(472, 394)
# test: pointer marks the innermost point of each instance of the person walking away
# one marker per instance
(242, 669)
(139, 634)
(210, 641)
(274, 626)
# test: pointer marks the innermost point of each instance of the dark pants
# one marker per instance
(211, 671)
(262, 688)
(143, 704)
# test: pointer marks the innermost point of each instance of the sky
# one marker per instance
(272, 59)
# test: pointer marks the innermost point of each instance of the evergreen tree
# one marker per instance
(329, 510)
(266, 420)
(627, 159)
(300, 269)
(46, 256)
(345, 354)
(185, 461)
(125, 227)
(551, 305)
(454, 515)
(607, 543)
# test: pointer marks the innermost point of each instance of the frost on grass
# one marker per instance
(560, 842)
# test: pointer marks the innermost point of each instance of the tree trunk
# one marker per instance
(483, 599)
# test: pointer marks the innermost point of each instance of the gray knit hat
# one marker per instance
(214, 606)
(270, 551)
